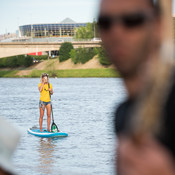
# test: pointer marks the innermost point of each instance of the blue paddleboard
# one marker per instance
(46, 134)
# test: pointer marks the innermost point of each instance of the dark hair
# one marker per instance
(155, 4)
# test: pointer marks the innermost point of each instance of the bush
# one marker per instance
(41, 57)
(73, 55)
(103, 59)
(13, 62)
(65, 51)
(87, 54)
(16, 61)
(20, 60)
(2, 62)
(82, 55)
(28, 61)
(10, 62)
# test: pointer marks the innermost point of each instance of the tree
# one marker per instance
(65, 49)
(88, 32)
(82, 55)
(103, 59)
(28, 61)
(73, 56)
(20, 60)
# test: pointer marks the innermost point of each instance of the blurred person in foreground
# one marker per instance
(132, 36)
(9, 138)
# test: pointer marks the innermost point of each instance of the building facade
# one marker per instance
(64, 29)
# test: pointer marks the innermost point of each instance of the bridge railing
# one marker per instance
(49, 40)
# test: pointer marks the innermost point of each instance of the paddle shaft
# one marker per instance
(51, 103)
(53, 124)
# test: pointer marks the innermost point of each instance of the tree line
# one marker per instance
(82, 55)
(67, 51)
(16, 61)
(88, 32)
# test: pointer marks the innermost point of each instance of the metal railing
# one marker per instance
(49, 40)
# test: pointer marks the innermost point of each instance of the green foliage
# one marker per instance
(10, 62)
(82, 55)
(103, 59)
(73, 55)
(28, 61)
(16, 61)
(20, 60)
(2, 63)
(107, 72)
(8, 74)
(66, 73)
(96, 50)
(13, 62)
(86, 32)
(40, 57)
(65, 49)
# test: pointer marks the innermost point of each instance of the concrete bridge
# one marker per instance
(21, 48)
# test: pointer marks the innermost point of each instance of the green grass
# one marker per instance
(72, 73)
(77, 73)
(8, 74)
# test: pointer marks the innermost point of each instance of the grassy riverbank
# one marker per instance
(8, 73)
(69, 73)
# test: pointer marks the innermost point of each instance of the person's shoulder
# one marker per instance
(121, 115)
(167, 131)
(171, 96)
(124, 107)
(39, 84)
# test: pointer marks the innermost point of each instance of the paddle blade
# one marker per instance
(54, 128)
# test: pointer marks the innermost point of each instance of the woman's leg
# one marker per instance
(41, 117)
(48, 107)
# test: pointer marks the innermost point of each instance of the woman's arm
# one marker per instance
(51, 91)
(41, 87)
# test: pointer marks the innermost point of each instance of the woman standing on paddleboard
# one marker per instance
(45, 102)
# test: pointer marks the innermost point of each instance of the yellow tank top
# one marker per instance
(44, 94)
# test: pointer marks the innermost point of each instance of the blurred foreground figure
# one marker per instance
(136, 39)
(9, 138)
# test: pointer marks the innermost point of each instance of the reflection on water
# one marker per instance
(46, 151)
(82, 107)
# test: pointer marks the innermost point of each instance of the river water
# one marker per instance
(82, 107)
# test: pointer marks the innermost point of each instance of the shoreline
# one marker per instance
(67, 73)
(66, 69)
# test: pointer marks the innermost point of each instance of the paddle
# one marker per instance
(54, 127)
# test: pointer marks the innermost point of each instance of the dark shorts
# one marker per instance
(42, 104)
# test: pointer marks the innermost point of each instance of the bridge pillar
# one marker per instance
(49, 54)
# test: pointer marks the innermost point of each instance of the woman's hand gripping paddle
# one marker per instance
(54, 127)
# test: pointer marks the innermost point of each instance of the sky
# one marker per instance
(14, 13)
(20, 12)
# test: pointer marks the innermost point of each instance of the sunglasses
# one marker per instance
(129, 21)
